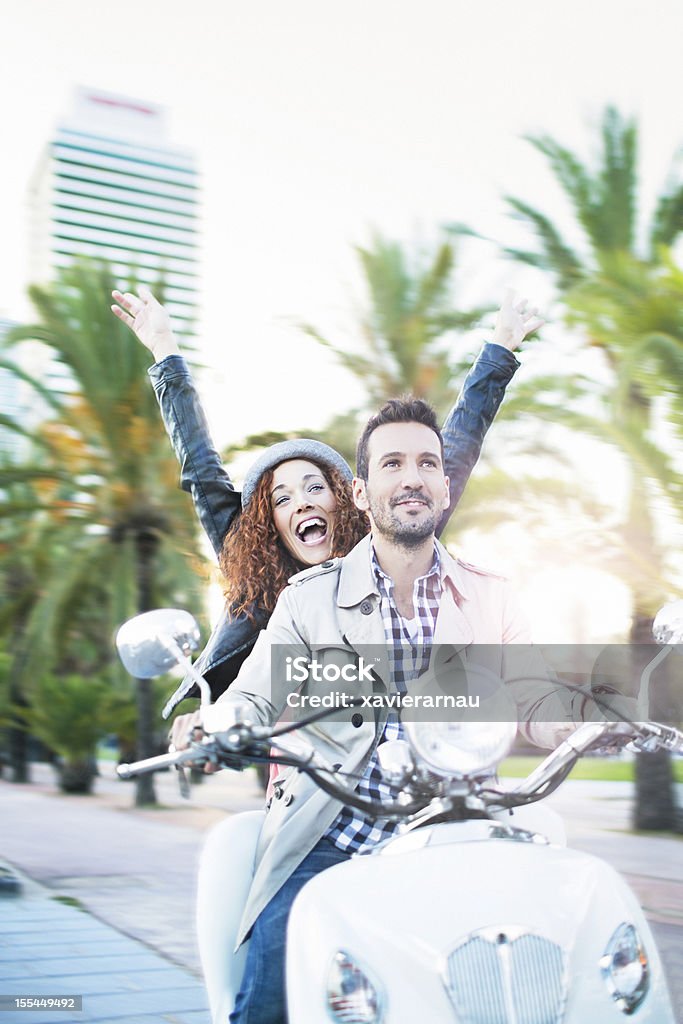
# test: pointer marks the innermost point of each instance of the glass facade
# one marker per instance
(109, 188)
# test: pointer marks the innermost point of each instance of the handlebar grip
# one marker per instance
(673, 740)
(651, 736)
(151, 764)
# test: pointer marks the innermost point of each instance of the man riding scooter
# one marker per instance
(400, 590)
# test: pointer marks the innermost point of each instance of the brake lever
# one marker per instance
(183, 782)
(207, 758)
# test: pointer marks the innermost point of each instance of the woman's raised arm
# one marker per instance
(202, 474)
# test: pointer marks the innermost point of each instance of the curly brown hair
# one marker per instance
(254, 561)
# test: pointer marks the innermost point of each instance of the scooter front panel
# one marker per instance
(404, 917)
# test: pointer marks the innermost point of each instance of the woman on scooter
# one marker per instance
(254, 535)
(260, 537)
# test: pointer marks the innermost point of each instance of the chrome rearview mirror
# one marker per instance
(668, 625)
(154, 642)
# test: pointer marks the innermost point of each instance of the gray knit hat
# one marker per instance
(300, 448)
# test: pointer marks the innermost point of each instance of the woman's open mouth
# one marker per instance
(312, 531)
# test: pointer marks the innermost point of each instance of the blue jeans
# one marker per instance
(261, 999)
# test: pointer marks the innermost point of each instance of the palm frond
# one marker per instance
(667, 220)
(611, 222)
(555, 255)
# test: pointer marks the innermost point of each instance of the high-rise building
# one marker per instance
(110, 186)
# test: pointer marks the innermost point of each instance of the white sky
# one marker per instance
(314, 121)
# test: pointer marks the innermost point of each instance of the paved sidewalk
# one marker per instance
(130, 952)
(49, 949)
(133, 868)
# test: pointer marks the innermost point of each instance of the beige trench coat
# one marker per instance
(332, 612)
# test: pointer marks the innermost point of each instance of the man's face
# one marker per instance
(406, 491)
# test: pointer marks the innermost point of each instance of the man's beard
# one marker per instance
(409, 533)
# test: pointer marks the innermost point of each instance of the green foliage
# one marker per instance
(625, 296)
(92, 522)
(598, 769)
(406, 340)
(70, 714)
(122, 711)
(407, 325)
(633, 311)
(5, 700)
(102, 486)
(604, 201)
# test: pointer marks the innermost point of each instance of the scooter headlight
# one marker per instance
(625, 968)
(461, 748)
(351, 996)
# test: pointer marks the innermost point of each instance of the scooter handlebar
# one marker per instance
(661, 737)
(151, 764)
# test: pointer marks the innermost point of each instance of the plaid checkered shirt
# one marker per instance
(408, 658)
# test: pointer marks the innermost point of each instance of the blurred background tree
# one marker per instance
(605, 206)
(633, 311)
(406, 326)
(406, 337)
(620, 286)
(109, 532)
(70, 714)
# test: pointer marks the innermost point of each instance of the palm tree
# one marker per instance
(104, 484)
(25, 550)
(615, 288)
(70, 714)
(604, 204)
(403, 328)
(403, 341)
(635, 313)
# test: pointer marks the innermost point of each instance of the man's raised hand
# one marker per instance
(515, 321)
(148, 320)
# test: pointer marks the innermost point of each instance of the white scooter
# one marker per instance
(476, 913)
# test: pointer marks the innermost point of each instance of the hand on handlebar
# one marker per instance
(184, 729)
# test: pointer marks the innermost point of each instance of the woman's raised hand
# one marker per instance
(148, 320)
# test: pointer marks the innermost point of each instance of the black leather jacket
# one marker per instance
(217, 503)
